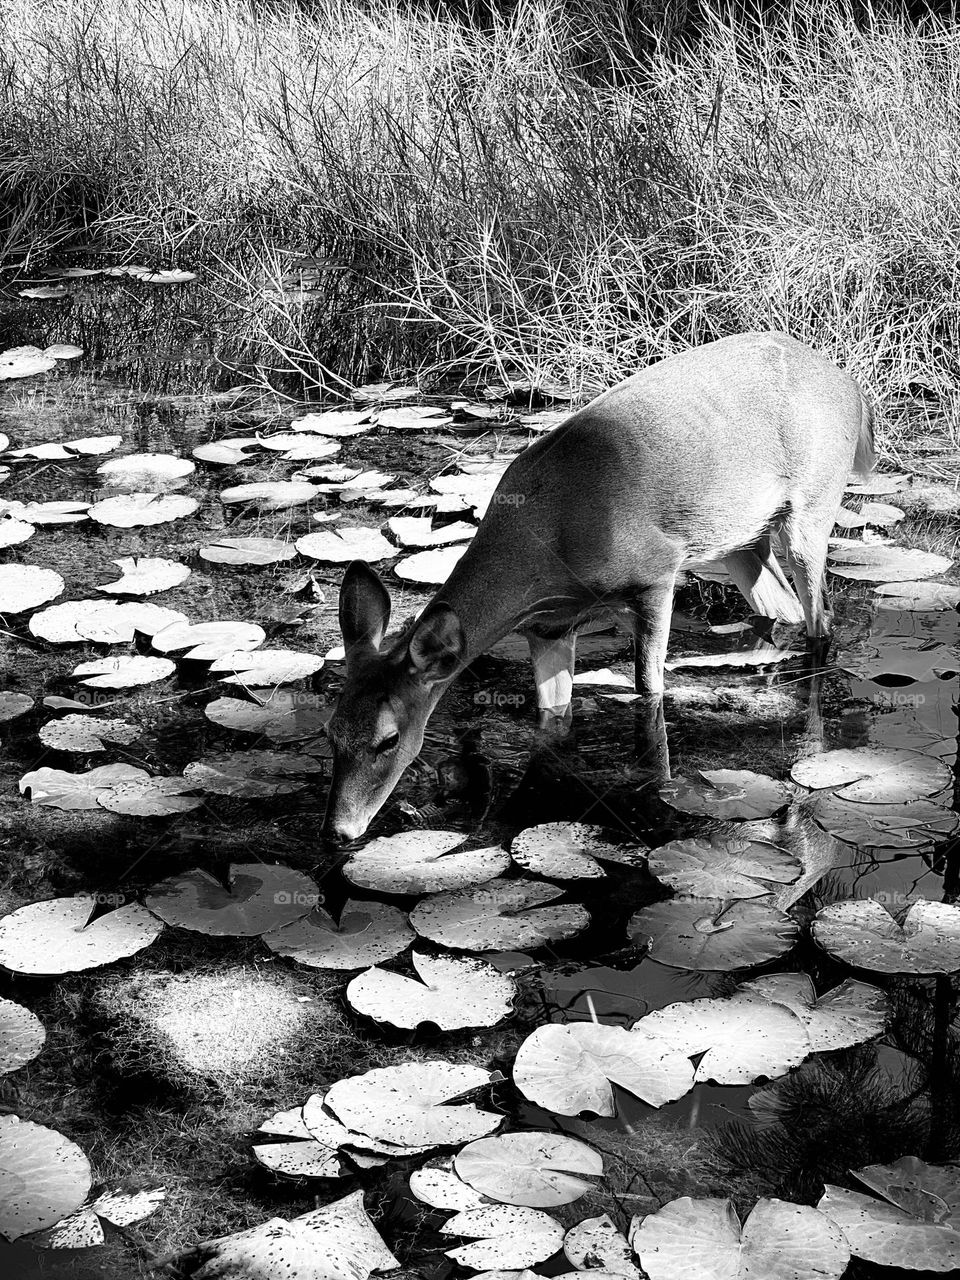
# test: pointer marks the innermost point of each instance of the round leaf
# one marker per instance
(569, 851)
(258, 897)
(134, 510)
(43, 1177)
(715, 867)
(59, 789)
(497, 915)
(873, 775)
(368, 933)
(889, 1236)
(430, 568)
(453, 992)
(541, 1170)
(507, 1235)
(733, 794)
(706, 933)
(56, 936)
(866, 936)
(25, 586)
(146, 576)
(336, 546)
(22, 1036)
(423, 862)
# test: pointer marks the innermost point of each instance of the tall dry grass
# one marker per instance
(369, 187)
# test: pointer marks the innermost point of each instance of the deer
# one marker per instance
(705, 455)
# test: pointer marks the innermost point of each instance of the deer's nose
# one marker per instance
(340, 834)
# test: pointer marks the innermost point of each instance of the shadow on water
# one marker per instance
(485, 769)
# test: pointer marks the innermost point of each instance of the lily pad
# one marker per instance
(418, 531)
(283, 717)
(866, 936)
(505, 1235)
(337, 546)
(761, 655)
(13, 705)
(251, 774)
(453, 992)
(146, 472)
(146, 576)
(703, 1238)
(272, 495)
(430, 567)
(597, 1243)
(572, 1067)
(847, 1015)
(540, 1170)
(266, 667)
(150, 797)
(741, 1037)
(929, 597)
(423, 861)
(707, 933)
(135, 510)
(733, 794)
(101, 621)
(438, 1186)
(335, 422)
(43, 1177)
(25, 586)
(890, 1235)
(256, 899)
(714, 867)
(59, 789)
(406, 1104)
(57, 935)
(367, 934)
(914, 824)
(22, 1036)
(871, 563)
(498, 915)
(123, 673)
(207, 641)
(570, 851)
(86, 733)
(873, 775)
(246, 551)
(905, 657)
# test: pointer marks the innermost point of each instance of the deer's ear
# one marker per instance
(364, 608)
(436, 644)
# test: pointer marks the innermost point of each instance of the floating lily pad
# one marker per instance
(741, 1037)
(25, 586)
(705, 933)
(406, 1104)
(866, 936)
(572, 1067)
(251, 774)
(540, 1170)
(761, 655)
(13, 531)
(272, 495)
(13, 705)
(846, 1015)
(150, 797)
(871, 563)
(504, 1235)
(207, 641)
(335, 422)
(733, 794)
(59, 789)
(418, 531)
(22, 1036)
(453, 992)
(101, 621)
(716, 867)
(423, 861)
(83, 1229)
(245, 551)
(146, 576)
(914, 824)
(703, 1238)
(63, 451)
(57, 936)
(43, 1177)
(498, 915)
(336, 546)
(123, 673)
(570, 851)
(146, 472)
(257, 898)
(265, 667)
(889, 1235)
(905, 657)
(86, 733)
(367, 934)
(283, 717)
(134, 510)
(873, 775)
(438, 1186)
(430, 567)
(932, 597)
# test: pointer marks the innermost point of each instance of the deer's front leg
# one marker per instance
(553, 674)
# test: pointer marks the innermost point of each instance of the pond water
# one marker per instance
(486, 771)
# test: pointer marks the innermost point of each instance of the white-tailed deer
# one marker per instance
(702, 456)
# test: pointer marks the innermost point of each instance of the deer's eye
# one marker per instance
(389, 743)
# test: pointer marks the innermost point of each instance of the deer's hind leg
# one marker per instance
(652, 610)
(807, 535)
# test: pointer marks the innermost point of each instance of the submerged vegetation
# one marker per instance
(557, 193)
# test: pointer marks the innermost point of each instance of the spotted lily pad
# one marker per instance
(367, 934)
(146, 576)
(43, 1177)
(847, 1015)
(13, 705)
(25, 586)
(704, 1238)
(58, 936)
(60, 789)
(716, 867)
(733, 794)
(158, 797)
(407, 1104)
(541, 1170)
(246, 551)
(283, 717)
(207, 641)
(504, 1236)
(569, 851)
(430, 567)
(572, 1067)
(336, 546)
(870, 563)
(932, 597)
(873, 775)
(22, 1036)
(453, 992)
(86, 733)
(913, 824)
(257, 898)
(423, 861)
(123, 673)
(909, 1239)
(135, 510)
(272, 495)
(705, 933)
(866, 936)
(498, 915)
(101, 621)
